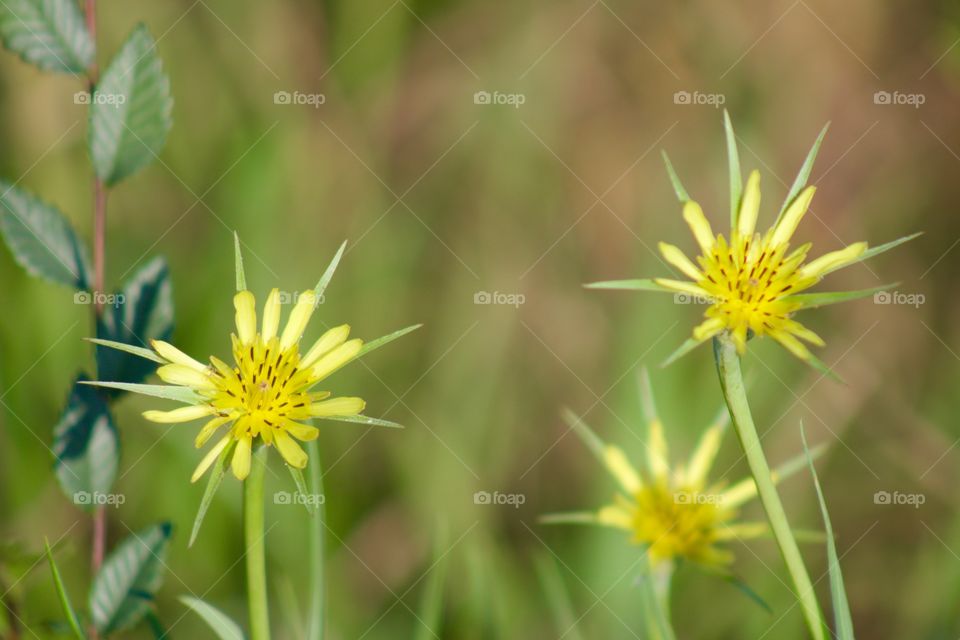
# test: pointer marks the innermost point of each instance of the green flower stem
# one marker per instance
(734, 392)
(256, 554)
(655, 601)
(316, 532)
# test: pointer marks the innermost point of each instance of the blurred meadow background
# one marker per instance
(445, 200)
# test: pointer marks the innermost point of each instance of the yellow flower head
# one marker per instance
(753, 282)
(267, 394)
(674, 512)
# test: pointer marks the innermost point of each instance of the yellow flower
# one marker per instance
(753, 282)
(674, 512)
(266, 394)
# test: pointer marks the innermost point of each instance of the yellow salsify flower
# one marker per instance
(267, 394)
(674, 512)
(753, 282)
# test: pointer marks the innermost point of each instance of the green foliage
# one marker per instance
(63, 595)
(143, 311)
(219, 622)
(86, 445)
(50, 34)
(41, 239)
(130, 111)
(123, 591)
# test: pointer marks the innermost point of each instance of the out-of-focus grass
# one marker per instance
(494, 198)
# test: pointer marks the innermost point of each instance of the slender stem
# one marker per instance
(731, 382)
(256, 553)
(316, 543)
(655, 601)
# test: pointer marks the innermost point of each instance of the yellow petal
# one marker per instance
(833, 260)
(707, 329)
(615, 516)
(620, 468)
(241, 458)
(328, 341)
(693, 214)
(271, 316)
(337, 407)
(246, 316)
(683, 287)
(336, 359)
(209, 429)
(749, 206)
(183, 414)
(741, 492)
(704, 455)
(169, 352)
(674, 256)
(657, 450)
(209, 458)
(792, 345)
(290, 450)
(792, 216)
(298, 320)
(803, 333)
(179, 374)
(303, 432)
(742, 531)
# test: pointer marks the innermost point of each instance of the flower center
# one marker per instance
(677, 523)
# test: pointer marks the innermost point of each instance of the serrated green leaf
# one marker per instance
(328, 274)
(50, 34)
(733, 161)
(643, 284)
(383, 340)
(165, 391)
(42, 240)
(238, 263)
(130, 110)
(142, 311)
(373, 422)
(219, 622)
(87, 447)
(301, 485)
(213, 483)
(62, 594)
(804, 174)
(812, 300)
(843, 621)
(674, 179)
(123, 590)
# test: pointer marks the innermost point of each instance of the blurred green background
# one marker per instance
(443, 198)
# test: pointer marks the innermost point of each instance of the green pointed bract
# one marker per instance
(585, 433)
(688, 345)
(328, 274)
(65, 603)
(241, 277)
(300, 482)
(640, 284)
(148, 354)
(219, 622)
(804, 174)
(674, 179)
(168, 392)
(814, 300)
(213, 483)
(574, 517)
(820, 366)
(647, 403)
(733, 161)
(875, 251)
(367, 420)
(384, 340)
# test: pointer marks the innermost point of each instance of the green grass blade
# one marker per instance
(316, 543)
(62, 594)
(804, 174)
(841, 608)
(431, 603)
(557, 597)
(223, 626)
(328, 274)
(674, 179)
(213, 483)
(301, 485)
(733, 161)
